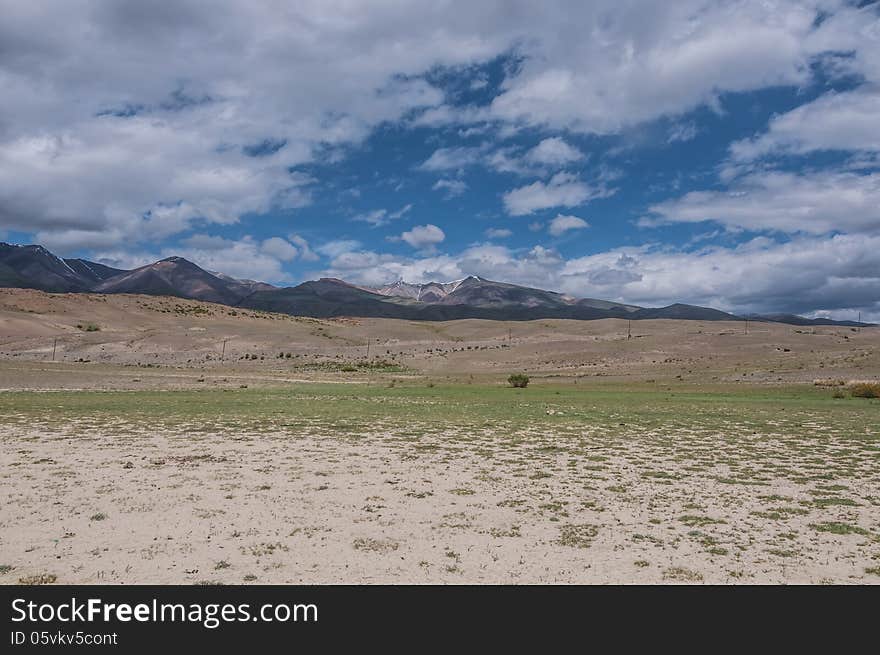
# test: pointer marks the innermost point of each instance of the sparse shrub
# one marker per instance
(829, 382)
(42, 578)
(577, 536)
(518, 380)
(88, 327)
(865, 390)
(100, 516)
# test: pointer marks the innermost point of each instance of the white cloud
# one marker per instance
(279, 248)
(154, 110)
(563, 223)
(380, 217)
(682, 132)
(553, 151)
(337, 247)
(835, 121)
(563, 190)
(803, 275)
(840, 275)
(815, 203)
(498, 233)
(677, 56)
(444, 159)
(452, 188)
(423, 236)
(305, 252)
(374, 218)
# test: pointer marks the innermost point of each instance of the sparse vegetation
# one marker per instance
(577, 536)
(88, 327)
(681, 574)
(41, 578)
(518, 380)
(865, 390)
(375, 545)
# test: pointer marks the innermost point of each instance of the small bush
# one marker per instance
(88, 327)
(518, 380)
(865, 390)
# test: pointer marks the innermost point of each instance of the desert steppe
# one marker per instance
(159, 440)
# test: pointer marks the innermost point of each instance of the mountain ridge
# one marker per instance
(33, 266)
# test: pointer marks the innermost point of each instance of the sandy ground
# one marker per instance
(169, 507)
(106, 500)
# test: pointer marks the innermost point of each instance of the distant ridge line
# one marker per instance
(35, 267)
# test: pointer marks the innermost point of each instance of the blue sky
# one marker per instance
(719, 153)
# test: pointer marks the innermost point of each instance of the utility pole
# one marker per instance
(629, 332)
(368, 348)
(223, 353)
(55, 345)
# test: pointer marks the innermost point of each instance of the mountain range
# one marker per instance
(34, 267)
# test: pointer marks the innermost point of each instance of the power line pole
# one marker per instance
(223, 353)
(629, 333)
(55, 345)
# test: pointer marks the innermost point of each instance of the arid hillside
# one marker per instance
(176, 341)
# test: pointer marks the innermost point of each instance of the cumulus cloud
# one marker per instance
(452, 188)
(154, 111)
(498, 233)
(337, 247)
(423, 236)
(562, 190)
(553, 151)
(305, 252)
(835, 121)
(815, 203)
(279, 248)
(678, 56)
(838, 275)
(563, 223)
(444, 159)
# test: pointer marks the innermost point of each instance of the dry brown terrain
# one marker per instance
(692, 452)
(185, 339)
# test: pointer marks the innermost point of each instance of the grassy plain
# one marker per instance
(442, 483)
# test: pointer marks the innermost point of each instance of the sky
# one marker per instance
(716, 152)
